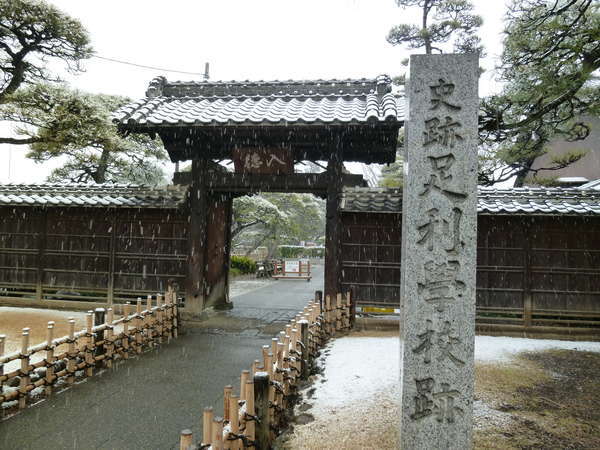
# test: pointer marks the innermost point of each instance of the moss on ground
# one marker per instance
(552, 398)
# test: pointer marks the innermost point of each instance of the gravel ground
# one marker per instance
(360, 381)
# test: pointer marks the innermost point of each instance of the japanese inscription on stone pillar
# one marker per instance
(439, 232)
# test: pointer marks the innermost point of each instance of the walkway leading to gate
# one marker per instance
(146, 402)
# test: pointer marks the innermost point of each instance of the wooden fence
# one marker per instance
(257, 415)
(60, 257)
(45, 368)
(536, 275)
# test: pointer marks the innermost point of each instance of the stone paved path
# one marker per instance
(146, 402)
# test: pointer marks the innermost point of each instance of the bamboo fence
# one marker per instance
(268, 390)
(70, 358)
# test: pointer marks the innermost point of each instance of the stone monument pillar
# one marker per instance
(439, 237)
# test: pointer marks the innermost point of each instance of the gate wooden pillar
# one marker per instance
(218, 246)
(333, 224)
(196, 279)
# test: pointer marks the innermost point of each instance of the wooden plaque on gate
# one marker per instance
(274, 161)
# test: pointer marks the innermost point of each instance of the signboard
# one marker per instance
(292, 266)
(274, 161)
(293, 269)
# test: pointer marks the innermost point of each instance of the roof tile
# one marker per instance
(91, 195)
(566, 201)
(251, 103)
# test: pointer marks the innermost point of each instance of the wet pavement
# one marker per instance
(145, 402)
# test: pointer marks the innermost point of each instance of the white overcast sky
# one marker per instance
(255, 40)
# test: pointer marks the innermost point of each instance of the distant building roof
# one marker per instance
(204, 103)
(518, 201)
(108, 195)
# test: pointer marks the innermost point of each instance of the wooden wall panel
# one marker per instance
(530, 268)
(371, 246)
(90, 253)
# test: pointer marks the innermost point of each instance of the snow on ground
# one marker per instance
(502, 349)
(361, 377)
(356, 369)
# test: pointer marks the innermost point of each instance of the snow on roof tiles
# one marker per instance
(91, 195)
(541, 201)
(262, 103)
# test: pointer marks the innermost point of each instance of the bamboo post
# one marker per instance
(261, 405)
(304, 361)
(234, 422)
(217, 428)
(160, 318)
(243, 380)
(250, 412)
(296, 354)
(265, 352)
(288, 331)
(255, 366)
(175, 315)
(149, 321)
(274, 342)
(71, 352)
(227, 392)
(272, 392)
(285, 366)
(207, 421)
(89, 344)
(319, 298)
(99, 319)
(278, 375)
(25, 379)
(352, 309)
(125, 339)
(286, 346)
(167, 317)
(49, 359)
(138, 326)
(186, 440)
(110, 346)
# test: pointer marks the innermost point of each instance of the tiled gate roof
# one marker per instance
(318, 102)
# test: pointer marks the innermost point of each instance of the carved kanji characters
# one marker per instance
(423, 399)
(431, 232)
(440, 285)
(426, 343)
(447, 340)
(444, 340)
(443, 133)
(440, 177)
(457, 243)
(439, 94)
(442, 404)
(429, 229)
